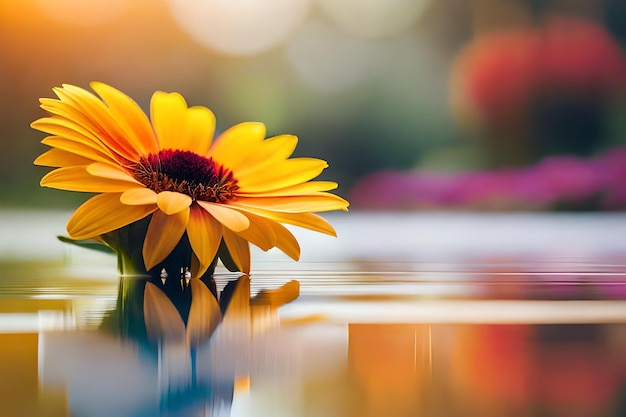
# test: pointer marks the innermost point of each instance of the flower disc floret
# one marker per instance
(188, 173)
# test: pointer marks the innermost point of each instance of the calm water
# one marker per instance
(402, 315)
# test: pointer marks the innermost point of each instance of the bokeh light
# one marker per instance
(374, 19)
(83, 13)
(327, 59)
(240, 27)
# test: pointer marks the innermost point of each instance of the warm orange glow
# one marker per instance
(93, 12)
(19, 381)
(390, 364)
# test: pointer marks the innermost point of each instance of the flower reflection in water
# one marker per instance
(159, 355)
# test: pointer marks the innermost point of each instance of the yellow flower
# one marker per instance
(238, 188)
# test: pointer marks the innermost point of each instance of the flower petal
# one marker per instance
(69, 130)
(231, 218)
(236, 143)
(138, 196)
(113, 172)
(239, 250)
(103, 122)
(314, 202)
(85, 149)
(104, 213)
(56, 125)
(78, 179)
(164, 233)
(286, 241)
(284, 174)
(179, 127)
(205, 235)
(171, 202)
(270, 152)
(260, 232)
(60, 158)
(129, 117)
(309, 221)
(93, 117)
(298, 189)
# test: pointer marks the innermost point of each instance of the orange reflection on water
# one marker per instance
(568, 370)
(478, 370)
(389, 363)
(19, 383)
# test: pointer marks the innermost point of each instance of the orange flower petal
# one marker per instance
(284, 174)
(237, 143)
(113, 172)
(231, 218)
(69, 130)
(56, 125)
(298, 189)
(138, 196)
(172, 202)
(164, 233)
(270, 152)
(129, 117)
(96, 117)
(78, 179)
(104, 213)
(260, 232)
(239, 250)
(309, 221)
(205, 235)
(60, 158)
(314, 202)
(81, 121)
(286, 241)
(86, 149)
(179, 127)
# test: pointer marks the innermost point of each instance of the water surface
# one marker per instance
(401, 315)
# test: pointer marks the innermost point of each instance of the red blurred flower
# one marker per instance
(547, 90)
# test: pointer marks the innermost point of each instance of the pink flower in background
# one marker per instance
(598, 183)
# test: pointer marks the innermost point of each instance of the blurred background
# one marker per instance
(415, 104)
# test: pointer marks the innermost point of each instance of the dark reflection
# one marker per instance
(165, 350)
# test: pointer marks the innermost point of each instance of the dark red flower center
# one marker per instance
(188, 173)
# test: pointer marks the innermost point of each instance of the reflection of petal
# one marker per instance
(204, 314)
(163, 322)
(239, 306)
(264, 313)
(278, 297)
(228, 351)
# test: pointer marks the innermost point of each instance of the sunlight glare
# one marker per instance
(374, 19)
(328, 60)
(240, 27)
